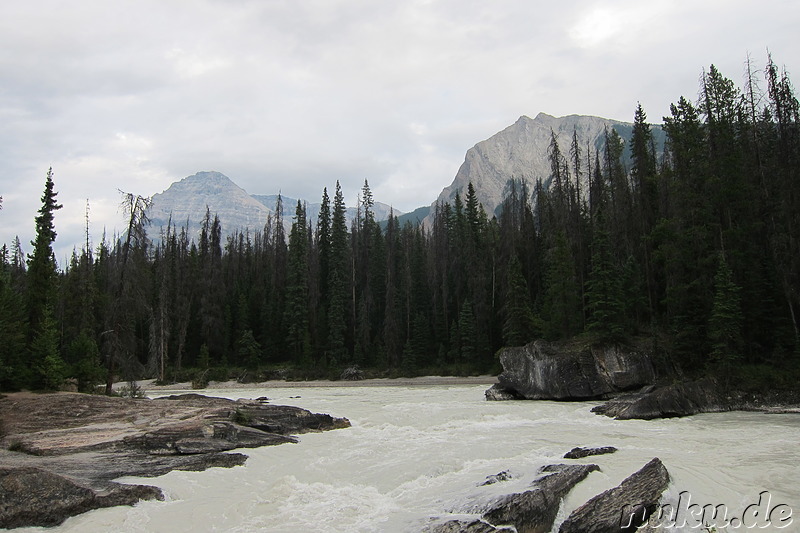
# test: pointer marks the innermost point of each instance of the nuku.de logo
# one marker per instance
(686, 514)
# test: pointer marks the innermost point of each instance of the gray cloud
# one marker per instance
(292, 96)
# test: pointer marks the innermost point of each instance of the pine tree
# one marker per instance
(338, 281)
(49, 369)
(519, 326)
(296, 315)
(604, 293)
(725, 323)
(41, 263)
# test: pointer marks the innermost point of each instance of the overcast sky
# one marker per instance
(293, 95)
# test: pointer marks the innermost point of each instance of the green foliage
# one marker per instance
(49, 369)
(86, 367)
(519, 326)
(248, 350)
(725, 323)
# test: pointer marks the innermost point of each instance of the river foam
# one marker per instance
(414, 453)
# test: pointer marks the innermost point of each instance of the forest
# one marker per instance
(695, 250)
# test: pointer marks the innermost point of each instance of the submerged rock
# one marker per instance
(579, 453)
(497, 478)
(623, 508)
(70, 447)
(542, 370)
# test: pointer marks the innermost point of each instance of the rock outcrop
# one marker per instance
(66, 449)
(623, 508)
(680, 399)
(542, 370)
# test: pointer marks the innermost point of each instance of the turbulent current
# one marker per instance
(418, 453)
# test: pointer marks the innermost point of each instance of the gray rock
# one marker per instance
(78, 444)
(579, 453)
(680, 399)
(34, 497)
(496, 478)
(534, 511)
(631, 502)
(542, 370)
(496, 393)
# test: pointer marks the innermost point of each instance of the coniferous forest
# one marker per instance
(695, 249)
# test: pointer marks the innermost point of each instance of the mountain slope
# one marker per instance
(188, 198)
(521, 152)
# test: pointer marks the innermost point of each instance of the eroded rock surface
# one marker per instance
(67, 448)
(543, 370)
(624, 507)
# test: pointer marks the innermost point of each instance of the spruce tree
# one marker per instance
(296, 314)
(519, 326)
(41, 263)
(725, 323)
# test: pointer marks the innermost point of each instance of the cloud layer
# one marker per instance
(293, 96)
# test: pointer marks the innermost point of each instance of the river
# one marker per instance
(419, 452)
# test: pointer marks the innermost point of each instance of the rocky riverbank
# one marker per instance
(59, 453)
(634, 383)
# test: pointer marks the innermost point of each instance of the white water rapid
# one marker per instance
(414, 453)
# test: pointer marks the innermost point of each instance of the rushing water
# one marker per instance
(414, 453)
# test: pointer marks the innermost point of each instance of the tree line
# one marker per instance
(695, 247)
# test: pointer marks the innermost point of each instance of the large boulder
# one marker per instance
(543, 370)
(623, 508)
(679, 399)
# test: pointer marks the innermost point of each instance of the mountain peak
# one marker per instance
(520, 151)
(187, 200)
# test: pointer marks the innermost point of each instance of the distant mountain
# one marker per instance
(521, 152)
(186, 201)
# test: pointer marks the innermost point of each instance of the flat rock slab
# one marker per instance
(72, 446)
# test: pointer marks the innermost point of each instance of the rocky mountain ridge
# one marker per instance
(520, 152)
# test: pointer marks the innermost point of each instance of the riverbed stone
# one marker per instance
(580, 453)
(622, 508)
